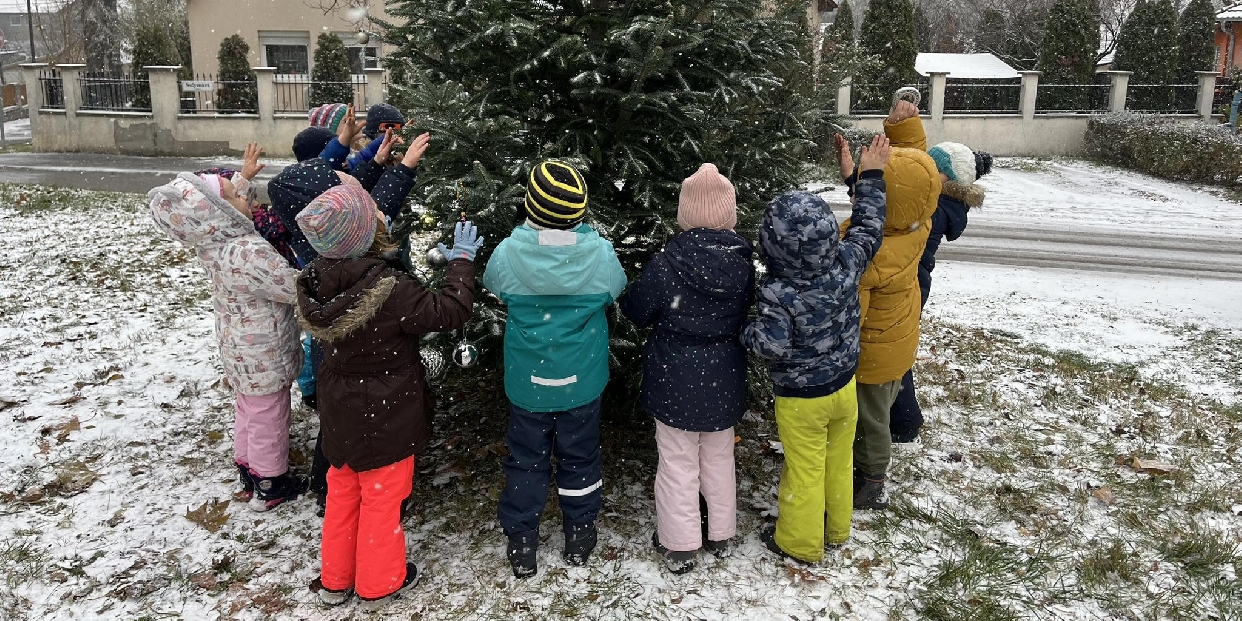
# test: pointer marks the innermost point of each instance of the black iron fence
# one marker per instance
(114, 92)
(877, 99)
(1165, 98)
(982, 97)
(1072, 98)
(53, 89)
(296, 94)
(204, 93)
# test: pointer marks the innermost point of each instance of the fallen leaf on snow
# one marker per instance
(6, 403)
(212, 514)
(205, 580)
(1104, 495)
(67, 400)
(1150, 466)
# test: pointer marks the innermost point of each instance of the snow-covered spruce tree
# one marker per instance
(636, 94)
(238, 90)
(101, 38)
(1067, 55)
(888, 33)
(842, 29)
(330, 79)
(1195, 33)
(1147, 46)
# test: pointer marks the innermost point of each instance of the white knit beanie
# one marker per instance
(955, 160)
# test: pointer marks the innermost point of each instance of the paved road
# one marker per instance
(1194, 256)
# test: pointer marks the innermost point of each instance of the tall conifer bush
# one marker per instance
(330, 79)
(238, 90)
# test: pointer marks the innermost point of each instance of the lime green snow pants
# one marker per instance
(817, 482)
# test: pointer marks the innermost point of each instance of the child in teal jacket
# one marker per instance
(556, 275)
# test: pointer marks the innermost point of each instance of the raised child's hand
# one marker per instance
(414, 154)
(385, 150)
(844, 160)
(350, 127)
(466, 241)
(876, 157)
(901, 111)
(250, 162)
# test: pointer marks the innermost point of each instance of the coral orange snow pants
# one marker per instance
(363, 543)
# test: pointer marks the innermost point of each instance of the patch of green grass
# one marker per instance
(28, 199)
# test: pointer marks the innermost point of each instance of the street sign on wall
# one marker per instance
(197, 86)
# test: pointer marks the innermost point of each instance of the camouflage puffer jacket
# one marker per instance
(808, 321)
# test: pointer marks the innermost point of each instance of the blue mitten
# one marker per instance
(466, 242)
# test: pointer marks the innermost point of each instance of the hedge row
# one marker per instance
(1165, 148)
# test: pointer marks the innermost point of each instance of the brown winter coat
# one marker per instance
(374, 402)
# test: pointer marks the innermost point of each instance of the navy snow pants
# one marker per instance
(534, 437)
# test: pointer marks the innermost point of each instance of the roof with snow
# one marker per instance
(964, 66)
(1230, 13)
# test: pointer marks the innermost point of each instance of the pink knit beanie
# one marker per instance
(707, 201)
(340, 223)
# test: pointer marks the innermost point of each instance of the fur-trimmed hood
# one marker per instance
(338, 297)
(972, 194)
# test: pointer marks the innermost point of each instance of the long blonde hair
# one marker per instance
(383, 245)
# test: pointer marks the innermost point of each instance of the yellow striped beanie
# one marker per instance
(556, 196)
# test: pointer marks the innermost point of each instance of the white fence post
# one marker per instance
(844, 93)
(165, 95)
(72, 85)
(939, 79)
(265, 88)
(374, 88)
(1030, 94)
(1120, 83)
(34, 97)
(1207, 94)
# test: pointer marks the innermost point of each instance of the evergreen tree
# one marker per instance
(922, 29)
(1147, 46)
(1196, 31)
(1071, 39)
(842, 29)
(330, 79)
(101, 35)
(888, 33)
(636, 94)
(153, 46)
(238, 90)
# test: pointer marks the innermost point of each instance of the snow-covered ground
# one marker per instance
(17, 130)
(1041, 386)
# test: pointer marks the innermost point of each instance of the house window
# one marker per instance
(360, 56)
(288, 52)
(16, 20)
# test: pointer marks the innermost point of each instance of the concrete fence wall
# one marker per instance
(165, 130)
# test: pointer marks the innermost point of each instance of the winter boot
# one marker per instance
(327, 596)
(247, 479)
(523, 550)
(768, 537)
(310, 401)
(870, 494)
(411, 579)
(579, 543)
(677, 563)
(321, 504)
(719, 549)
(270, 492)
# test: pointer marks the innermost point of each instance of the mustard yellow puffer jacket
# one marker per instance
(888, 294)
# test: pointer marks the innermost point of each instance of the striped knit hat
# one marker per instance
(329, 116)
(340, 223)
(556, 196)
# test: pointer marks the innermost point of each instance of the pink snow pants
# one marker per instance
(692, 463)
(261, 432)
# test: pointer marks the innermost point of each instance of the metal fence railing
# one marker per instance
(115, 92)
(982, 97)
(876, 99)
(1222, 98)
(296, 94)
(1072, 98)
(204, 93)
(53, 89)
(1166, 98)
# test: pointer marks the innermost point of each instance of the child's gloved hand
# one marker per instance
(466, 242)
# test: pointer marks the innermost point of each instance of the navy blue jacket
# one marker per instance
(809, 317)
(696, 293)
(948, 223)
